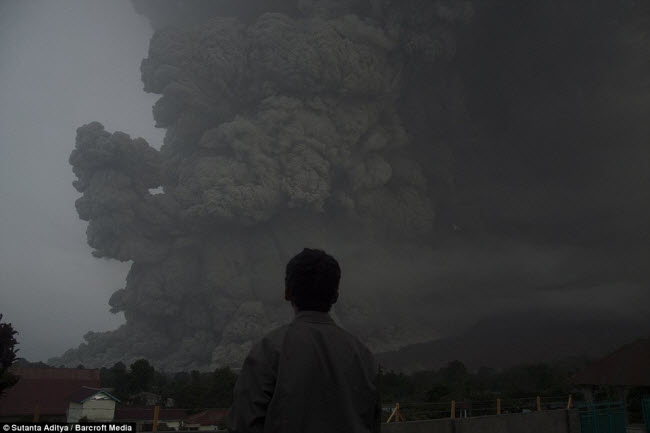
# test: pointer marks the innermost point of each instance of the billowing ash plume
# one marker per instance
(332, 124)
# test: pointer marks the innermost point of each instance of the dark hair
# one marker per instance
(312, 280)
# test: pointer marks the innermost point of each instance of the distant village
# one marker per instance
(79, 395)
(198, 401)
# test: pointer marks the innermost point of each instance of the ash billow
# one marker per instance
(329, 124)
(282, 132)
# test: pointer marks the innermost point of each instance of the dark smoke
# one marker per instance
(461, 159)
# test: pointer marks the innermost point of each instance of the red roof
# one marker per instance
(629, 365)
(207, 417)
(48, 388)
(126, 413)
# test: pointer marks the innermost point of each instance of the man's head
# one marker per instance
(312, 280)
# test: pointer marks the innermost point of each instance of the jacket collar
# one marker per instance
(313, 317)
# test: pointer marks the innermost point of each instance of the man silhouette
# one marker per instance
(310, 376)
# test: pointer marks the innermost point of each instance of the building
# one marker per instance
(627, 367)
(44, 393)
(146, 398)
(168, 419)
(91, 404)
(208, 420)
(624, 369)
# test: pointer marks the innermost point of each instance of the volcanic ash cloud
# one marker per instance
(282, 132)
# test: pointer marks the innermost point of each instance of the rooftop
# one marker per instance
(207, 417)
(123, 413)
(87, 393)
(47, 388)
(627, 366)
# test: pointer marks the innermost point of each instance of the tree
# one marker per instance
(221, 387)
(456, 377)
(7, 355)
(116, 378)
(454, 372)
(395, 387)
(437, 392)
(141, 374)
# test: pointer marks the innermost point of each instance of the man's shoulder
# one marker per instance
(268, 346)
(354, 339)
(360, 347)
(363, 350)
(274, 338)
(332, 331)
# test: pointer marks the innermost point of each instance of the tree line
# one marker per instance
(194, 390)
(455, 381)
(199, 390)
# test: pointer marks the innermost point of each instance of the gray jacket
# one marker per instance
(310, 376)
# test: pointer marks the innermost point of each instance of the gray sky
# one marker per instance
(559, 178)
(64, 63)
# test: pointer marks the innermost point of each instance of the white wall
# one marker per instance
(74, 412)
(93, 410)
(99, 410)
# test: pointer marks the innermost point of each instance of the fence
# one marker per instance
(604, 417)
(466, 409)
(544, 421)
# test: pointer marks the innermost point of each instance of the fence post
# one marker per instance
(539, 403)
(570, 402)
(156, 411)
(37, 413)
(453, 409)
(396, 413)
(399, 415)
(498, 406)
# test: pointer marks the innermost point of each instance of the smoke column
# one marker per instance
(435, 148)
